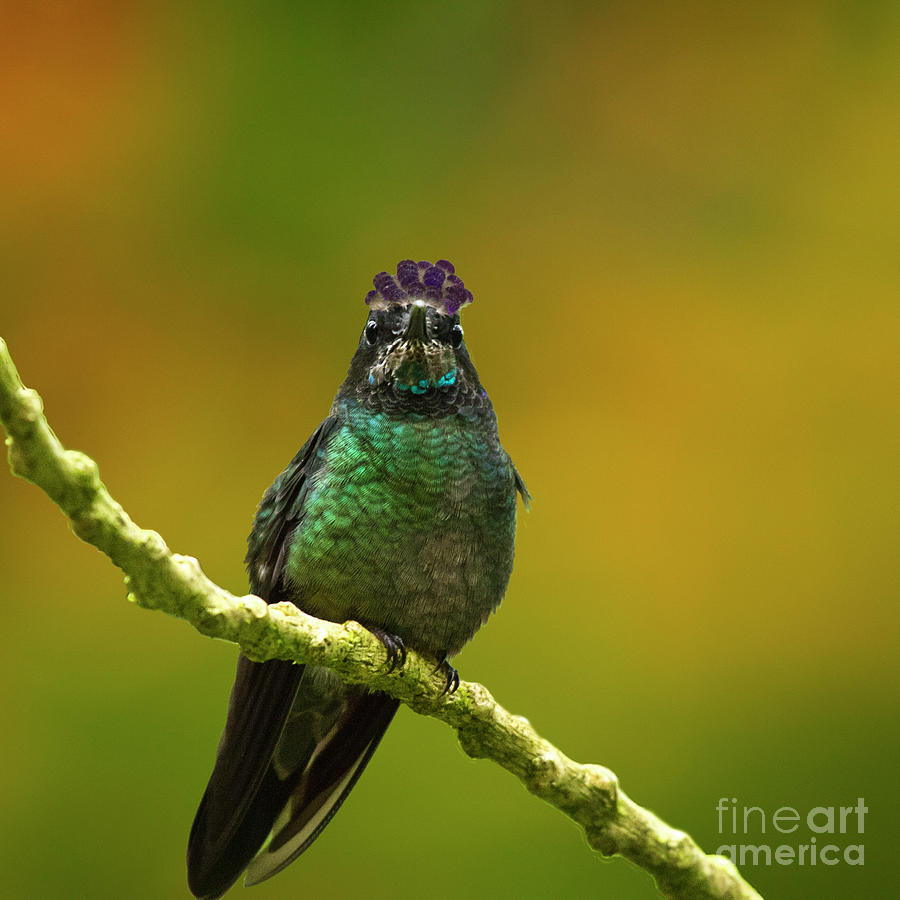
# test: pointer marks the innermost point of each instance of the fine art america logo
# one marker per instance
(820, 835)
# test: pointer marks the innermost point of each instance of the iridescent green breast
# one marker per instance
(409, 524)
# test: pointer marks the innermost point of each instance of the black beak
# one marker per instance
(415, 327)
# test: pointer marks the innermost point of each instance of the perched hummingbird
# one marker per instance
(400, 513)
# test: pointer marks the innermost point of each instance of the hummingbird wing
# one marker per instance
(225, 836)
(280, 512)
(522, 489)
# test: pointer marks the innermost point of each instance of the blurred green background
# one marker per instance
(681, 223)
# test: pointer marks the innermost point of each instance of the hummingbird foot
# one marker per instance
(393, 645)
(450, 674)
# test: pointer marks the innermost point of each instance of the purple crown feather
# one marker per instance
(436, 283)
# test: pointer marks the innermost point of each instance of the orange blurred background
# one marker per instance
(681, 224)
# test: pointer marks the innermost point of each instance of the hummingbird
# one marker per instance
(399, 513)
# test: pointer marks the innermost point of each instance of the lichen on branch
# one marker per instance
(175, 584)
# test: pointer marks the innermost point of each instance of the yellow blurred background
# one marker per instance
(681, 224)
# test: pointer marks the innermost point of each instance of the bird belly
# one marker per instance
(409, 527)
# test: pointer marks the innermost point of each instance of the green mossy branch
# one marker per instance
(175, 584)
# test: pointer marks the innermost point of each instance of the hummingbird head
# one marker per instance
(411, 353)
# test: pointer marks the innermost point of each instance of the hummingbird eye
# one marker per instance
(456, 336)
(371, 331)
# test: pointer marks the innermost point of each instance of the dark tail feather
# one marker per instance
(286, 761)
(225, 835)
(319, 789)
